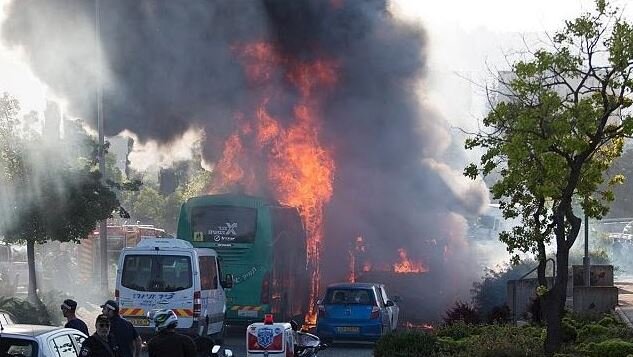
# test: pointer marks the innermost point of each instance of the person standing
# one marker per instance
(167, 342)
(124, 332)
(101, 343)
(69, 308)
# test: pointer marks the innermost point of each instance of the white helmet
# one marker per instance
(163, 319)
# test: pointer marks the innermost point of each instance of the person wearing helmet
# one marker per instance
(167, 342)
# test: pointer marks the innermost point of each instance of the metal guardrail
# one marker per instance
(514, 286)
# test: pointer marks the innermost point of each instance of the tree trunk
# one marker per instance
(542, 264)
(30, 255)
(555, 301)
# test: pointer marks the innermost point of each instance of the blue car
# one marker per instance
(356, 312)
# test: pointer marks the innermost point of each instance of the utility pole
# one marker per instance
(586, 262)
(103, 225)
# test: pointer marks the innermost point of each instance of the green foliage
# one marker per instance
(25, 312)
(457, 330)
(612, 348)
(490, 292)
(462, 312)
(406, 344)
(569, 330)
(506, 340)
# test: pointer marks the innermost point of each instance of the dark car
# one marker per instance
(356, 311)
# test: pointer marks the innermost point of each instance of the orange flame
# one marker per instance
(407, 266)
(300, 169)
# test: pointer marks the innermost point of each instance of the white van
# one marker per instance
(163, 273)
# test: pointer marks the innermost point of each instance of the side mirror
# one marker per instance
(323, 346)
(227, 283)
(389, 303)
(294, 325)
(396, 299)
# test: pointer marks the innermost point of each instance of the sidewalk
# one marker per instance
(625, 302)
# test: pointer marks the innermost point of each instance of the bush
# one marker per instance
(569, 330)
(457, 330)
(499, 315)
(612, 348)
(24, 312)
(506, 341)
(406, 344)
(462, 312)
(491, 290)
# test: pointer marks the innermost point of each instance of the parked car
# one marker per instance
(40, 341)
(356, 311)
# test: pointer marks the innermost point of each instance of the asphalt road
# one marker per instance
(238, 346)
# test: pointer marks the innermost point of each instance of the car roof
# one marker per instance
(354, 285)
(28, 330)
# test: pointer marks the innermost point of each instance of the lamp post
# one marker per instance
(586, 261)
(103, 225)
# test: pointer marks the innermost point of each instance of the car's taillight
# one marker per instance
(375, 313)
(197, 305)
(277, 343)
(322, 312)
(265, 296)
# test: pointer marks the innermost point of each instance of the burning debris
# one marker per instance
(312, 103)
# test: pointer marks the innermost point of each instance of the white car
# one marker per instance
(40, 341)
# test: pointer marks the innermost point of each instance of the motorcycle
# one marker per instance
(306, 344)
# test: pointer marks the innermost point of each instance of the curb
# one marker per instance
(623, 317)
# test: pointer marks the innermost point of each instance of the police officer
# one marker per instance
(167, 342)
(68, 309)
(101, 343)
(124, 332)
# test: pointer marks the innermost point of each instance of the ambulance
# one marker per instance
(270, 339)
(164, 273)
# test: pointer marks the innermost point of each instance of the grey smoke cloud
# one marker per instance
(170, 66)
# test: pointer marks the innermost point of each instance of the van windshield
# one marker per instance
(157, 273)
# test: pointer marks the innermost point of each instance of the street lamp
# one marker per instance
(586, 261)
(103, 225)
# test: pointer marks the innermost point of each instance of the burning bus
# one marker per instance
(262, 243)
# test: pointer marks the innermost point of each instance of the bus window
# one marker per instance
(208, 273)
(224, 224)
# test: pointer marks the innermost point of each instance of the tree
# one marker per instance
(51, 197)
(561, 122)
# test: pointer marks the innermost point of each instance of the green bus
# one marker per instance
(260, 242)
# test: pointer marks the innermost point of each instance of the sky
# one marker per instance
(466, 38)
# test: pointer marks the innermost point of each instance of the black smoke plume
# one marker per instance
(170, 66)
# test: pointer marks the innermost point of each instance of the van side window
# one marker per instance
(208, 273)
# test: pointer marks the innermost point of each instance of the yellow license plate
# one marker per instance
(138, 321)
(348, 329)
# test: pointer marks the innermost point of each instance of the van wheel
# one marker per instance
(203, 346)
(218, 338)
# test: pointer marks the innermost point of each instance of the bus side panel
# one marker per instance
(290, 277)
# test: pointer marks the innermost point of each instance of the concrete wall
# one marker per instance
(595, 300)
(601, 275)
(525, 292)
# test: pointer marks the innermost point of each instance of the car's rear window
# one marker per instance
(17, 347)
(346, 296)
(157, 273)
